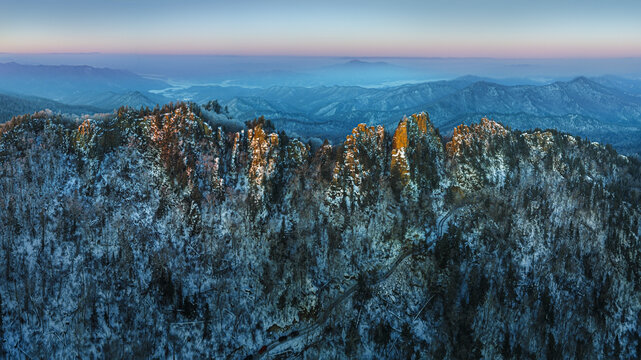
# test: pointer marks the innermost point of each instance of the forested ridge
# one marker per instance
(152, 233)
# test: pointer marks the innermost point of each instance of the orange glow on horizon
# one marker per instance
(472, 51)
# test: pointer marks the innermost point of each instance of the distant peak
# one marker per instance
(581, 79)
(357, 62)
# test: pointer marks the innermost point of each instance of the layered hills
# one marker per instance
(65, 82)
(74, 89)
(606, 109)
(12, 104)
(151, 233)
(594, 108)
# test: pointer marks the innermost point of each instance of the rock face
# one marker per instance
(416, 154)
(150, 234)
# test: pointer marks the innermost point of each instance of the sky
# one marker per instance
(403, 28)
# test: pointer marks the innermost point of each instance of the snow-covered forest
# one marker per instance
(153, 234)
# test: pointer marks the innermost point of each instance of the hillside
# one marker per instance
(113, 100)
(630, 86)
(66, 83)
(580, 96)
(153, 235)
(561, 106)
(12, 105)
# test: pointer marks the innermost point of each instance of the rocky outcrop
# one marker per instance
(478, 136)
(359, 168)
(417, 155)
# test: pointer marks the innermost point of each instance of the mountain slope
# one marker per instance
(12, 105)
(560, 105)
(113, 100)
(65, 82)
(623, 138)
(631, 86)
(580, 96)
(150, 234)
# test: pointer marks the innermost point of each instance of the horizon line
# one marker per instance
(631, 57)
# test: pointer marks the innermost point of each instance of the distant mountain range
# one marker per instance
(345, 73)
(606, 109)
(63, 78)
(580, 96)
(12, 105)
(627, 85)
(16, 104)
(113, 100)
(69, 84)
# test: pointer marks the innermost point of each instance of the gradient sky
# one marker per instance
(441, 28)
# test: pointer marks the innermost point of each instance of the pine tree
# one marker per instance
(2, 352)
(506, 348)
(94, 317)
(206, 323)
